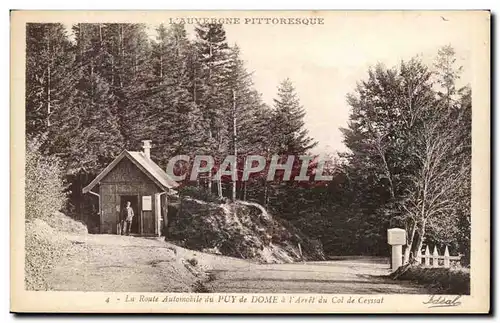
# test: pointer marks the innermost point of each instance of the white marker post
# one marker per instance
(397, 239)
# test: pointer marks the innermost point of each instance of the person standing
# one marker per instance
(129, 215)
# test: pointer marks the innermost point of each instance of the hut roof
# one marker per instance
(145, 164)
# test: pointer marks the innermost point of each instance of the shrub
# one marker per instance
(44, 186)
(441, 280)
(44, 248)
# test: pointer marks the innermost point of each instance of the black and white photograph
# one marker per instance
(262, 158)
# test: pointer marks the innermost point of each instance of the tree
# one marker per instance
(447, 73)
(253, 139)
(175, 118)
(440, 176)
(129, 71)
(406, 148)
(245, 107)
(457, 101)
(449, 132)
(290, 135)
(376, 161)
(99, 138)
(49, 82)
(212, 52)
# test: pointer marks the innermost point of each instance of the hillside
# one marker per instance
(241, 229)
(61, 255)
(46, 245)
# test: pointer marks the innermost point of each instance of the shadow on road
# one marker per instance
(345, 276)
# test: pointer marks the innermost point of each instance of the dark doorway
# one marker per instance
(133, 199)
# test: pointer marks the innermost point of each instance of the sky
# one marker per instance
(325, 61)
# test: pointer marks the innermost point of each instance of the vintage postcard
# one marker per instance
(250, 161)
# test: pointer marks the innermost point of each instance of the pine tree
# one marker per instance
(289, 135)
(239, 115)
(119, 55)
(178, 120)
(99, 139)
(132, 73)
(212, 53)
(49, 81)
(447, 73)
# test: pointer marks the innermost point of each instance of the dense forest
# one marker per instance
(108, 86)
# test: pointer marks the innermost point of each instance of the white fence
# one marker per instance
(434, 259)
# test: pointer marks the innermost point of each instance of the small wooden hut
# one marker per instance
(133, 177)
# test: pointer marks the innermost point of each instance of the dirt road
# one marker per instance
(363, 276)
(120, 264)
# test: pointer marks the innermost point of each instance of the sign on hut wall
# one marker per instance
(146, 203)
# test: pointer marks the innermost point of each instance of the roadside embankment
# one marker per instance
(243, 230)
(440, 280)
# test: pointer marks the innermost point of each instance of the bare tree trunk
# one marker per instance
(235, 171)
(122, 55)
(388, 174)
(219, 188)
(219, 180)
(192, 59)
(387, 171)
(410, 243)
(210, 182)
(421, 236)
(161, 62)
(210, 121)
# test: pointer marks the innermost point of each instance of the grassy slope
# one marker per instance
(454, 281)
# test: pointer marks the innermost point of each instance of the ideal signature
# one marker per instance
(443, 301)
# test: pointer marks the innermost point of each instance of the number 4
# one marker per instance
(107, 300)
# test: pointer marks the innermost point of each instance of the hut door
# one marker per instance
(134, 203)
